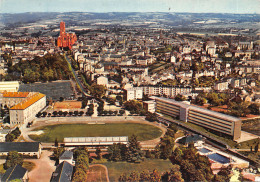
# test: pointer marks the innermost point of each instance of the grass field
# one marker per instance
(115, 169)
(143, 131)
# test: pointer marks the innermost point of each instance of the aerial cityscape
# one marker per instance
(139, 90)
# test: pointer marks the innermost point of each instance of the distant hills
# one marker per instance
(136, 18)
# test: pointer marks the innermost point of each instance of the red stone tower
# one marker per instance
(66, 39)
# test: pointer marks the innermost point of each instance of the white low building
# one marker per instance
(9, 86)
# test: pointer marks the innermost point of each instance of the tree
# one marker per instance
(12, 159)
(179, 98)
(98, 153)
(121, 112)
(200, 100)
(57, 152)
(135, 154)
(61, 99)
(155, 176)
(56, 143)
(97, 90)
(174, 175)
(254, 108)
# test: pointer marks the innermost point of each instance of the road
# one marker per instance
(76, 77)
(44, 167)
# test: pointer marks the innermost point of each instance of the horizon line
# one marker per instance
(255, 13)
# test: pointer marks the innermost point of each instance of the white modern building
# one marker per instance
(133, 93)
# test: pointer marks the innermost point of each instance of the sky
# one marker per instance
(193, 6)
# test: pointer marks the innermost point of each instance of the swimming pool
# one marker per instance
(219, 158)
(204, 150)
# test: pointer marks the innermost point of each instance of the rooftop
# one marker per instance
(63, 172)
(19, 146)
(28, 102)
(16, 94)
(13, 173)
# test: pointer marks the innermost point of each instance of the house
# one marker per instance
(16, 172)
(66, 156)
(63, 173)
(24, 148)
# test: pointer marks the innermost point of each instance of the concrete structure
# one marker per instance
(24, 148)
(23, 106)
(94, 141)
(133, 93)
(169, 91)
(206, 118)
(9, 86)
(149, 106)
(66, 39)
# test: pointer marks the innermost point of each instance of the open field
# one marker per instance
(143, 131)
(67, 105)
(115, 169)
(97, 173)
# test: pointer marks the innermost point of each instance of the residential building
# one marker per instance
(169, 91)
(133, 93)
(149, 106)
(66, 156)
(15, 173)
(220, 86)
(206, 118)
(24, 148)
(63, 173)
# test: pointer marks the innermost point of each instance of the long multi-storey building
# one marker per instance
(169, 91)
(23, 106)
(203, 117)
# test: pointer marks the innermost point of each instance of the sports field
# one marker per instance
(142, 131)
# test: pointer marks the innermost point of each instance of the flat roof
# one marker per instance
(96, 139)
(196, 108)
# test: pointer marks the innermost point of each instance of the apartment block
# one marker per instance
(133, 93)
(203, 117)
(169, 91)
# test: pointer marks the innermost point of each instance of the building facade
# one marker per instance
(9, 86)
(206, 118)
(23, 106)
(133, 93)
(66, 39)
(169, 91)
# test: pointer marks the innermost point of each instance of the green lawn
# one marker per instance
(115, 169)
(143, 131)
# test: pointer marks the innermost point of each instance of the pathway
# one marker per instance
(44, 167)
